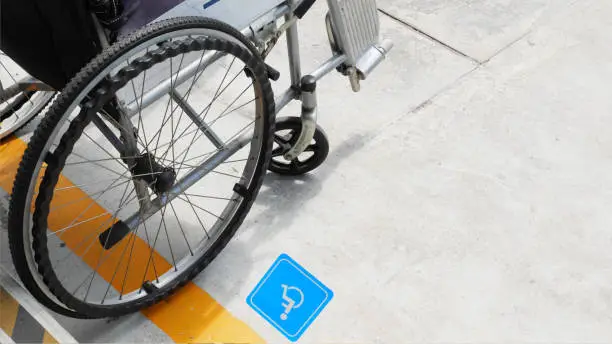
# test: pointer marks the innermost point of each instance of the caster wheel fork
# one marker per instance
(286, 135)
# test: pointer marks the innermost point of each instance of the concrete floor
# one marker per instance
(465, 195)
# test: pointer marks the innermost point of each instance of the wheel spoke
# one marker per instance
(216, 95)
(282, 140)
(196, 214)
(152, 250)
(227, 174)
(311, 148)
(144, 225)
(110, 283)
(181, 227)
(102, 251)
(118, 207)
(186, 199)
(127, 268)
(278, 152)
(91, 236)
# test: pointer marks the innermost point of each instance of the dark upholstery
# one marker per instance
(50, 39)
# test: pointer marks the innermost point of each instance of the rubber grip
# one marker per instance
(273, 74)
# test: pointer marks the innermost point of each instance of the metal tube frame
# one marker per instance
(187, 181)
(283, 10)
(293, 48)
(226, 151)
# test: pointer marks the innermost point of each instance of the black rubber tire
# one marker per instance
(19, 203)
(15, 108)
(18, 103)
(321, 149)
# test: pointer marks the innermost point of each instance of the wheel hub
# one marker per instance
(160, 178)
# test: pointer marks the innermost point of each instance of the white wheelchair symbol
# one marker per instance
(290, 302)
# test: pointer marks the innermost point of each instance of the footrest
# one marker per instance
(355, 25)
(354, 30)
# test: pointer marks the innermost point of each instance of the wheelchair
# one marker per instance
(150, 158)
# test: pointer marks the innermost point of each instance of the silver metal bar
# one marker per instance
(102, 37)
(36, 310)
(286, 98)
(309, 123)
(131, 150)
(164, 87)
(328, 66)
(265, 27)
(108, 133)
(293, 49)
(189, 180)
(292, 93)
(193, 115)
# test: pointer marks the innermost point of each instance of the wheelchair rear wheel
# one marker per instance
(130, 199)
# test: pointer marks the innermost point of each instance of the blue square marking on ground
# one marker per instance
(289, 297)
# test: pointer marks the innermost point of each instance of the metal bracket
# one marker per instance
(309, 117)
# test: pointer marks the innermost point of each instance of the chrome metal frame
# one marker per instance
(259, 25)
(264, 33)
(254, 33)
(268, 23)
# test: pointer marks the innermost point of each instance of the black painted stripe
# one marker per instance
(27, 329)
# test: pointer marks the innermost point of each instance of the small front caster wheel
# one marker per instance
(286, 135)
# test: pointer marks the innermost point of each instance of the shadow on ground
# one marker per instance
(280, 199)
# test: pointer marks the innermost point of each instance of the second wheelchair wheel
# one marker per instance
(19, 108)
(142, 172)
(285, 136)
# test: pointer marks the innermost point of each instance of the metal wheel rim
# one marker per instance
(27, 221)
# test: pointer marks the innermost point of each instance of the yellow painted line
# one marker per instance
(48, 339)
(190, 315)
(32, 320)
(10, 155)
(8, 312)
(9, 320)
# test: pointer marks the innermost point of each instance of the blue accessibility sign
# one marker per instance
(289, 297)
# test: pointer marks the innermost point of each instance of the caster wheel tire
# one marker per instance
(285, 136)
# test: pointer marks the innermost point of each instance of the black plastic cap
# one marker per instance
(303, 7)
(113, 235)
(308, 84)
(273, 74)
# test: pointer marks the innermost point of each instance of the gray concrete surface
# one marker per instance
(478, 28)
(465, 198)
(478, 216)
